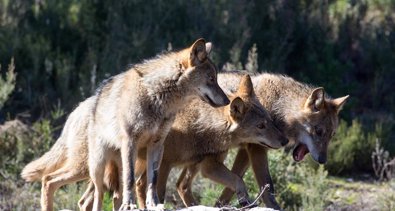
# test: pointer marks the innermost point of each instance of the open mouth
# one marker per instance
(299, 152)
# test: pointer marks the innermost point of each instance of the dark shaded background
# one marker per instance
(63, 49)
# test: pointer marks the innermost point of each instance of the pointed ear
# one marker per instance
(237, 108)
(339, 102)
(198, 52)
(208, 47)
(316, 100)
(245, 87)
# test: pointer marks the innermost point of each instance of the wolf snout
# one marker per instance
(322, 159)
(220, 96)
(219, 102)
(225, 101)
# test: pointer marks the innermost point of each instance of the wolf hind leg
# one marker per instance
(54, 180)
(98, 154)
(141, 188)
(86, 201)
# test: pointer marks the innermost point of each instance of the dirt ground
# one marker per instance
(349, 194)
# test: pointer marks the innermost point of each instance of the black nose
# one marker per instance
(284, 141)
(226, 101)
(322, 159)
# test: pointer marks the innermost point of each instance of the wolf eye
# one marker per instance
(261, 125)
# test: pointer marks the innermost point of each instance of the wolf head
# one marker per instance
(250, 121)
(202, 74)
(318, 122)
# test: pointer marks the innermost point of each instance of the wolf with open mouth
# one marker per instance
(307, 116)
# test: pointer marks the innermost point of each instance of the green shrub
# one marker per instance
(298, 185)
(107, 202)
(210, 192)
(7, 84)
(346, 146)
(19, 144)
(315, 187)
(351, 148)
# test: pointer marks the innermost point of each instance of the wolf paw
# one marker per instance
(158, 207)
(152, 201)
(247, 203)
(128, 207)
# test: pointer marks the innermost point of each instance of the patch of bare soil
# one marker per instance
(361, 195)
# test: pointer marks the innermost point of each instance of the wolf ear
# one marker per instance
(339, 102)
(198, 52)
(316, 100)
(209, 45)
(245, 86)
(237, 108)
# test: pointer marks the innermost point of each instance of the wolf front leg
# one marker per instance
(141, 182)
(128, 156)
(154, 157)
(184, 184)
(239, 168)
(259, 161)
(215, 170)
(164, 172)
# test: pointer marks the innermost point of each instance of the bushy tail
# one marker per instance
(47, 163)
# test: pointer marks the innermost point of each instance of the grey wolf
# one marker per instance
(136, 109)
(67, 160)
(201, 136)
(306, 115)
(292, 106)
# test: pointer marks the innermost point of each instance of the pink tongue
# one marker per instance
(301, 151)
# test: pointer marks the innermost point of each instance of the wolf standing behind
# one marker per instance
(307, 116)
(136, 109)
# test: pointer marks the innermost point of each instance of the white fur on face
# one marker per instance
(306, 139)
(307, 127)
(233, 127)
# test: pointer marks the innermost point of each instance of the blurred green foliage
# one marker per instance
(19, 144)
(352, 146)
(298, 185)
(63, 49)
(7, 84)
(59, 47)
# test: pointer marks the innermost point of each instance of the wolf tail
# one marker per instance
(49, 162)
